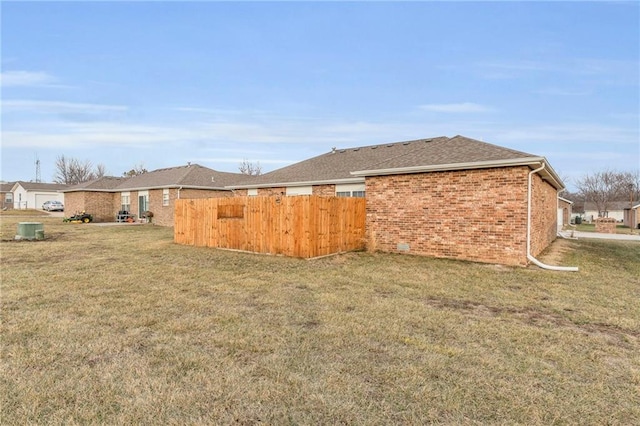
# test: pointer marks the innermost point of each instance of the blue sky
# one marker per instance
(164, 83)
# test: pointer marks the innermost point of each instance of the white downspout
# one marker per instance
(529, 256)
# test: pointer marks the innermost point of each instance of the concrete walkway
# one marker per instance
(601, 236)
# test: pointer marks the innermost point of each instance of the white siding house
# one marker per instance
(31, 195)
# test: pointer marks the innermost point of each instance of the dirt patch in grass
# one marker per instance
(118, 325)
(557, 252)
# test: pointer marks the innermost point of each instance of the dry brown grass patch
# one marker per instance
(118, 325)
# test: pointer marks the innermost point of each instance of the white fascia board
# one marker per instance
(87, 190)
(174, 186)
(306, 183)
(552, 176)
(565, 200)
(148, 188)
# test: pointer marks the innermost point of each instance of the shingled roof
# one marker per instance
(6, 186)
(353, 164)
(191, 176)
(41, 186)
(105, 183)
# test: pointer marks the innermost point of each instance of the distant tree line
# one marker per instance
(605, 187)
(72, 171)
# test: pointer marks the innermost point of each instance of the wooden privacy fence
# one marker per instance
(299, 226)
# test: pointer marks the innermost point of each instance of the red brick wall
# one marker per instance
(478, 215)
(544, 215)
(566, 211)
(324, 190)
(606, 225)
(265, 192)
(99, 204)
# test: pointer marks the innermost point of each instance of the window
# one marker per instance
(350, 190)
(8, 197)
(252, 192)
(165, 197)
(125, 201)
(143, 202)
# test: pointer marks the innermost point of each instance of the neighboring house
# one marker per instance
(6, 196)
(96, 197)
(564, 212)
(32, 195)
(615, 209)
(153, 191)
(444, 197)
(632, 216)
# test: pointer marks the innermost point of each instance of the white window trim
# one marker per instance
(349, 188)
(165, 197)
(299, 190)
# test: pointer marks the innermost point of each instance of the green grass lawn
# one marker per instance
(119, 325)
(591, 227)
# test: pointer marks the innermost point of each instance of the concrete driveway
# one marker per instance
(598, 235)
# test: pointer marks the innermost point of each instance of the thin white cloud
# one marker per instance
(576, 133)
(54, 107)
(610, 71)
(25, 78)
(561, 92)
(456, 108)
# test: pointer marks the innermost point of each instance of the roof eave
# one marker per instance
(149, 188)
(299, 183)
(550, 174)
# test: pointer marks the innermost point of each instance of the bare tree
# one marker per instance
(604, 187)
(630, 186)
(100, 171)
(137, 170)
(250, 169)
(72, 171)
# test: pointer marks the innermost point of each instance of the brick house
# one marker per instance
(444, 197)
(6, 196)
(565, 211)
(632, 216)
(154, 191)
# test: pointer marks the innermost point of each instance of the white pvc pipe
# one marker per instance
(529, 256)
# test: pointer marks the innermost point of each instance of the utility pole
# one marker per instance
(631, 222)
(38, 178)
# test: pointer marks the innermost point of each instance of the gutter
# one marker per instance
(299, 183)
(551, 176)
(149, 188)
(529, 256)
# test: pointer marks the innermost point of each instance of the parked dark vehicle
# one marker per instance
(53, 206)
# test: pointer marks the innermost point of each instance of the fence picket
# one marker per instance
(299, 226)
